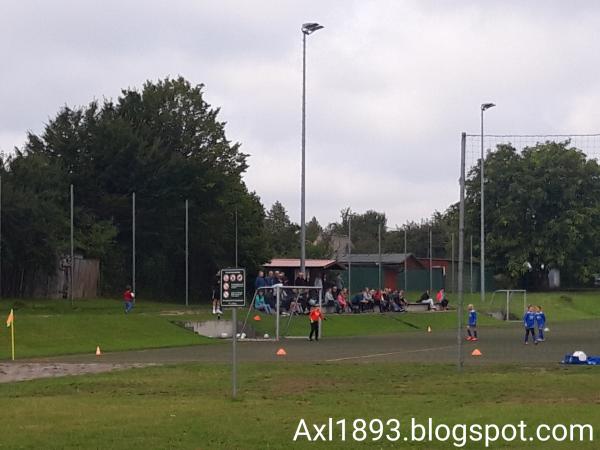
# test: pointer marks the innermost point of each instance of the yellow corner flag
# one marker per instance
(10, 322)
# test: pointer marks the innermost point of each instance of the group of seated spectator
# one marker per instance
(296, 301)
(440, 303)
(335, 298)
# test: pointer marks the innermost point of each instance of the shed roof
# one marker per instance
(309, 263)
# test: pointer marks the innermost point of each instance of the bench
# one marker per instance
(417, 307)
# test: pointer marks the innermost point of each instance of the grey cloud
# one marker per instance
(390, 85)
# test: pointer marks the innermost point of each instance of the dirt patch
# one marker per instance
(10, 372)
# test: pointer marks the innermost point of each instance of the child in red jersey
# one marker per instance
(128, 298)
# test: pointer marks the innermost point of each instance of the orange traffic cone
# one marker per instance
(98, 352)
(281, 352)
(476, 352)
(257, 317)
(429, 328)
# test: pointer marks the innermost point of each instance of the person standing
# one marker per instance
(216, 295)
(315, 316)
(540, 321)
(129, 299)
(472, 327)
(529, 322)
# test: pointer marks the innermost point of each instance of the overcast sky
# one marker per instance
(390, 84)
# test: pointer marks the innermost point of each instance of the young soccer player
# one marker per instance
(472, 328)
(128, 298)
(315, 316)
(529, 322)
(540, 321)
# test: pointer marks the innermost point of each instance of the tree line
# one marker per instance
(166, 143)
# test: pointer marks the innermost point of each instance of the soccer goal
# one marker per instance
(280, 311)
(506, 297)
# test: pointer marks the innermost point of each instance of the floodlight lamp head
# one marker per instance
(485, 106)
(311, 27)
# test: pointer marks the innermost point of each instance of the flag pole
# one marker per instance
(12, 335)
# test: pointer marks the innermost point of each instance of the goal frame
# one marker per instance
(509, 293)
(277, 289)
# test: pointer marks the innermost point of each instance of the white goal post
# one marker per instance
(509, 295)
(288, 302)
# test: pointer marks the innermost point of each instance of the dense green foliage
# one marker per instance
(166, 144)
(541, 208)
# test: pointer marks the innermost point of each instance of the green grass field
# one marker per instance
(53, 327)
(189, 406)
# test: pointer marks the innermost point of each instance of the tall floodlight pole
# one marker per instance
(187, 255)
(133, 242)
(484, 107)
(307, 28)
(461, 257)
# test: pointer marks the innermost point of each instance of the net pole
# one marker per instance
(319, 330)
(277, 309)
(507, 305)
(471, 274)
(187, 254)
(0, 236)
(349, 255)
(133, 241)
(379, 256)
(453, 280)
(461, 233)
(72, 251)
(430, 263)
(405, 266)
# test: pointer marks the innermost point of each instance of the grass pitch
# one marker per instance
(190, 406)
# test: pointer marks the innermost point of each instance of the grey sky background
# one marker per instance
(390, 84)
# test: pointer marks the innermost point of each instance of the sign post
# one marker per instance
(233, 295)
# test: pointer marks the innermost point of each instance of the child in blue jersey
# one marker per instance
(540, 321)
(529, 322)
(472, 327)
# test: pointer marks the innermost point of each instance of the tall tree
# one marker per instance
(541, 209)
(282, 235)
(166, 144)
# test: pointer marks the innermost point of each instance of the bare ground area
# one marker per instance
(17, 371)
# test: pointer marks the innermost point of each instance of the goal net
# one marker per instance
(280, 311)
(512, 303)
(587, 143)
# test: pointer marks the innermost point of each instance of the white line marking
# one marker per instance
(375, 355)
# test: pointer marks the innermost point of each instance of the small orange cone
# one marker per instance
(257, 317)
(429, 328)
(98, 352)
(281, 352)
(476, 352)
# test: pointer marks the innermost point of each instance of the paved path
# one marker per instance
(498, 345)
